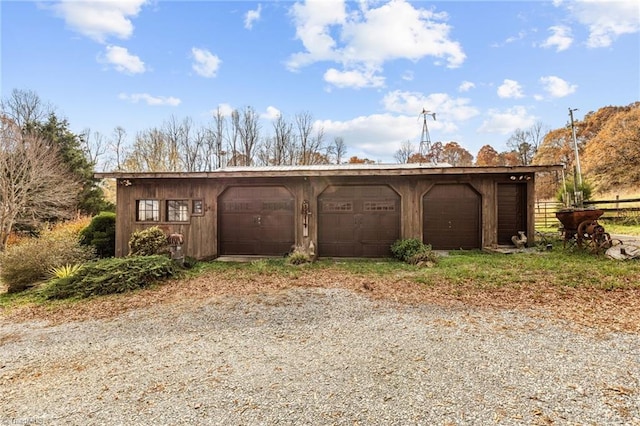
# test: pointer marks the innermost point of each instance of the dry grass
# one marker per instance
(596, 308)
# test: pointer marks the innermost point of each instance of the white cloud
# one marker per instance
(557, 87)
(606, 20)
(251, 16)
(465, 86)
(99, 20)
(149, 100)
(225, 110)
(122, 60)
(510, 89)
(271, 113)
(449, 110)
(353, 78)
(375, 136)
(505, 122)
(366, 37)
(408, 75)
(205, 63)
(560, 38)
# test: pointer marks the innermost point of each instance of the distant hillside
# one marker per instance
(609, 146)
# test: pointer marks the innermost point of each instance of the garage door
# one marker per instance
(512, 210)
(358, 221)
(451, 217)
(256, 221)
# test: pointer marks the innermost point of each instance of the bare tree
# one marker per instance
(34, 183)
(214, 141)
(94, 146)
(117, 146)
(233, 137)
(525, 143)
(249, 130)
(282, 141)
(304, 125)
(151, 152)
(405, 152)
(25, 108)
(337, 150)
(315, 155)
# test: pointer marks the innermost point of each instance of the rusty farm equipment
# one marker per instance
(581, 227)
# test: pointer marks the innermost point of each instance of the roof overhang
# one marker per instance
(331, 170)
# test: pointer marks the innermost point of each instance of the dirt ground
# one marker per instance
(603, 310)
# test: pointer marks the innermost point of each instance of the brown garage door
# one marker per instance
(256, 221)
(451, 217)
(512, 208)
(358, 221)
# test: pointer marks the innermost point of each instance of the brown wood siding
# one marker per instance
(358, 221)
(451, 215)
(512, 211)
(201, 232)
(256, 220)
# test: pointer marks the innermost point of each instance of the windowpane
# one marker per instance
(148, 210)
(197, 209)
(177, 211)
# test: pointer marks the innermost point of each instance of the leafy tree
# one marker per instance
(612, 155)
(56, 132)
(357, 160)
(488, 156)
(456, 155)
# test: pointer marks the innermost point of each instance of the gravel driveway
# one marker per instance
(316, 356)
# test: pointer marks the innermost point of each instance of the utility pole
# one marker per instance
(577, 181)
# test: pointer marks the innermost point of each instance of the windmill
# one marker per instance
(425, 140)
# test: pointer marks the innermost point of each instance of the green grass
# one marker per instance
(468, 269)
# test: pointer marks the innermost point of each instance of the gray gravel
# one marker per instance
(316, 357)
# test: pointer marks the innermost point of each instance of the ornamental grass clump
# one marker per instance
(24, 265)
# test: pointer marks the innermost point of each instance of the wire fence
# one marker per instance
(618, 210)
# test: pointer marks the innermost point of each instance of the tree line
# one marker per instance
(46, 171)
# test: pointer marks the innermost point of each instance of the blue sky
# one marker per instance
(364, 70)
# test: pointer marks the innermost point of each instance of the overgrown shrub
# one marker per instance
(101, 234)
(404, 249)
(413, 251)
(25, 264)
(298, 258)
(568, 192)
(113, 275)
(148, 242)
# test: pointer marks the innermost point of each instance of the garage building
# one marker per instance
(342, 210)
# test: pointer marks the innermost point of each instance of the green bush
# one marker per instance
(148, 242)
(113, 275)
(404, 249)
(568, 191)
(413, 251)
(25, 264)
(101, 234)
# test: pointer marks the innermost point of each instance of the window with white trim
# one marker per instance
(177, 211)
(147, 210)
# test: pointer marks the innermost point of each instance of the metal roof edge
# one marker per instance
(308, 171)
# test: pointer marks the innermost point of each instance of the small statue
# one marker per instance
(519, 240)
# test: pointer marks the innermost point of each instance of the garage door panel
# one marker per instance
(451, 217)
(256, 221)
(358, 221)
